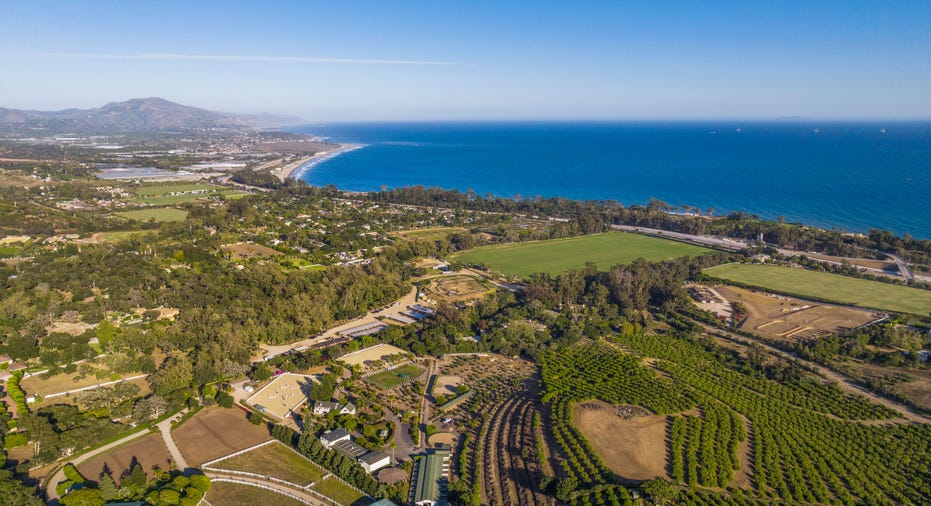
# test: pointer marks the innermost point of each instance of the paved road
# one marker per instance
(736, 245)
(842, 381)
(176, 456)
(904, 269)
(404, 445)
(270, 351)
(425, 405)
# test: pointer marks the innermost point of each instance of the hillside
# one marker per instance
(138, 115)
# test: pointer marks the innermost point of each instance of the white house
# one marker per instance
(374, 461)
(347, 409)
(330, 438)
(324, 407)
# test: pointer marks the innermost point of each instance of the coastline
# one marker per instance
(294, 170)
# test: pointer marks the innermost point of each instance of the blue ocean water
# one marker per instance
(851, 176)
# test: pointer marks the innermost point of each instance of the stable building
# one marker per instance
(431, 479)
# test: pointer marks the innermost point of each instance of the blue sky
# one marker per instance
(395, 60)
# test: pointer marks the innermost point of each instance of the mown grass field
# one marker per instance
(430, 234)
(235, 493)
(827, 286)
(559, 255)
(122, 235)
(338, 491)
(277, 461)
(159, 195)
(396, 376)
(157, 214)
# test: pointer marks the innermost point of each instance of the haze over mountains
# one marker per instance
(138, 115)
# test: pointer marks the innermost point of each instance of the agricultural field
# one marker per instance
(215, 432)
(827, 286)
(396, 376)
(156, 214)
(457, 288)
(167, 194)
(558, 255)
(122, 235)
(89, 375)
(798, 435)
(430, 234)
(224, 492)
(149, 451)
(340, 492)
(779, 317)
(275, 460)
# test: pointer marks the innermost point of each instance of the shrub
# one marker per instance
(14, 440)
(72, 474)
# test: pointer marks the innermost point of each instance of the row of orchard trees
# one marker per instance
(706, 447)
(809, 442)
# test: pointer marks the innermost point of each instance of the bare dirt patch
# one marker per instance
(371, 354)
(149, 452)
(634, 448)
(215, 432)
(446, 384)
(791, 319)
(245, 250)
(457, 288)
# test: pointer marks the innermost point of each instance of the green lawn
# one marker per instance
(157, 214)
(122, 235)
(396, 376)
(430, 234)
(162, 189)
(277, 461)
(338, 491)
(827, 286)
(559, 255)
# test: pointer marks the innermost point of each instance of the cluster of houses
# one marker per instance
(340, 441)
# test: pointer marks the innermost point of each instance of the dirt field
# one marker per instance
(634, 449)
(780, 317)
(446, 384)
(860, 262)
(457, 288)
(284, 394)
(65, 382)
(149, 451)
(372, 353)
(215, 432)
(249, 250)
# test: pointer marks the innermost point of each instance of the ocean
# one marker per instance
(850, 176)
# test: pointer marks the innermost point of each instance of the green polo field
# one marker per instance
(559, 255)
(827, 286)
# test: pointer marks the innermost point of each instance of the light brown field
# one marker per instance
(446, 384)
(792, 319)
(371, 353)
(149, 451)
(215, 432)
(859, 262)
(634, 449)
(285, 393)
(457, 288)
(65, 382)
(249, 250)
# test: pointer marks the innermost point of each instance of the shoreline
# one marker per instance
(295, 170)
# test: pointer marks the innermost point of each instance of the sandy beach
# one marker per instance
(296, 168)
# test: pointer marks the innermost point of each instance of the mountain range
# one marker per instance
(138, 115)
